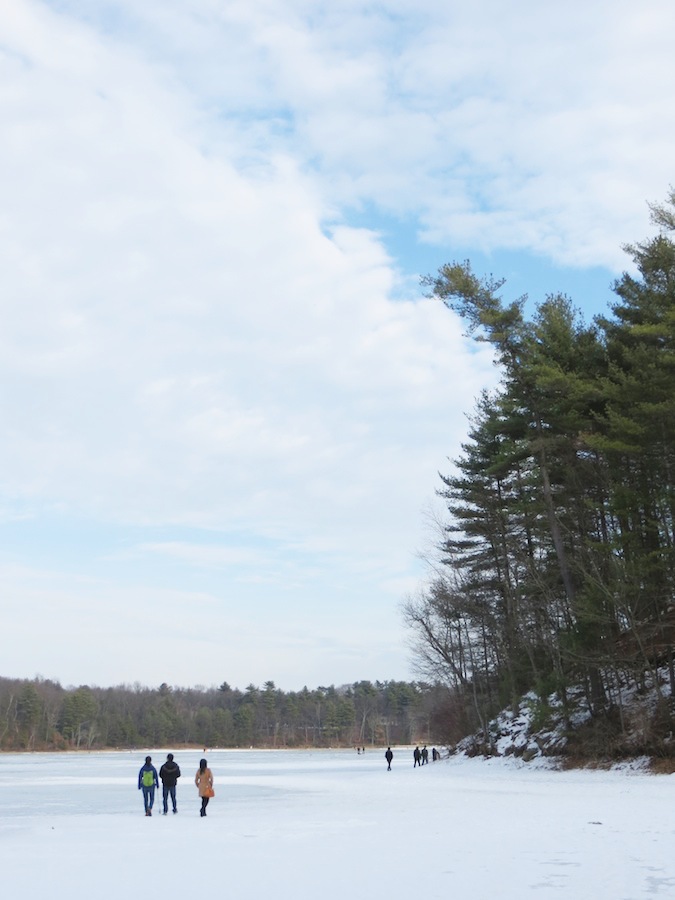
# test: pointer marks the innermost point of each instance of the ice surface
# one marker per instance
(332, 825)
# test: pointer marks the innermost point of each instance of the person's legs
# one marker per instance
(205, 803)
(151, 799)
(172, 794)
(165, 798)
(146, 799)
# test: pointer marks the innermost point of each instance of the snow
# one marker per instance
(334, 824)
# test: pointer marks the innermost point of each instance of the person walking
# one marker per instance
(204, 782)
(425, 756)
(169, 773)
(389, 756)
(147, 782)
(417, 757)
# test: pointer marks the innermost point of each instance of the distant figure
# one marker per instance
(425, 756)
(389, 756)
(417, 757)
(358, 750)
(204, 782)
(169, 773)
(434, 754)
(147, 782)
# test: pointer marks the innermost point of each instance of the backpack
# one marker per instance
(148, 778)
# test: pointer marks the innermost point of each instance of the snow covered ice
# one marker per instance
(333, 824)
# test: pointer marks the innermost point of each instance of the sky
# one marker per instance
(224, 397)
(290, 825)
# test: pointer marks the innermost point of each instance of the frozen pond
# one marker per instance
(333, 824)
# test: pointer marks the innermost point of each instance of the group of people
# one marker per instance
(420, 757)
(169, 773)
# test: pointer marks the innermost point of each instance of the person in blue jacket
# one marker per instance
(147, 782)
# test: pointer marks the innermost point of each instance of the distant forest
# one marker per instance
(556, 566)
(40, 714)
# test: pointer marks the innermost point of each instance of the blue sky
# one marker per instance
(225, 400)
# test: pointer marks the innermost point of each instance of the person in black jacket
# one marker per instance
(389, 756)
(169, 773)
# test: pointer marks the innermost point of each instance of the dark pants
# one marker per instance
(169, 790)
(205, 803)
(148, 797)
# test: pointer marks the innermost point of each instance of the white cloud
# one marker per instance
(104, 634)
(530, 127)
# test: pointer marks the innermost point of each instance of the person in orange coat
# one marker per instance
(204, 782)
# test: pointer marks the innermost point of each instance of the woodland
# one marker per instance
(555, 571)
(40, 714)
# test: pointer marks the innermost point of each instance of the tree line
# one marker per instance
(40, 714)
(556, 565)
